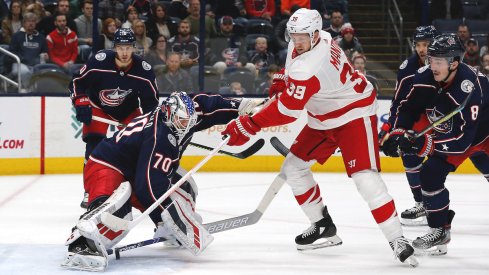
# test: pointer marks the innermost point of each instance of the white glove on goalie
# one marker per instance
(249, 106)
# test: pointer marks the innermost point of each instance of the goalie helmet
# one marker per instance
(180, 113)
(304, 21)
(448, 46)
(124, 36)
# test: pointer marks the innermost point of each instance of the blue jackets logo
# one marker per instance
(434, 115)
(113, 97)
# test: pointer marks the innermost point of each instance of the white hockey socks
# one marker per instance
(179, 219)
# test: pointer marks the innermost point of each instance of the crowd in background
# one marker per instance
(244, 39)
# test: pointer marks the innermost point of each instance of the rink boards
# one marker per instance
(40, 135)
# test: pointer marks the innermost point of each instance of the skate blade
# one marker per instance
(412, 261)
(323, 242)
(421, 221)
(85, 263)
(437, 250)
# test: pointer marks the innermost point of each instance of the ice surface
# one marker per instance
(37, 213)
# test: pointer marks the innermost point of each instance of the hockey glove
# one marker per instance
(83, 109)
(240, 130)
(384, 130)
(422, 146)
(390, 146)
(278, 84)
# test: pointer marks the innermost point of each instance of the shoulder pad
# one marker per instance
(422, 69)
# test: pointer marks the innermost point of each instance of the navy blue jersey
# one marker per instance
(428, 97)
(147, 151)
(403, 84)
(118, 93)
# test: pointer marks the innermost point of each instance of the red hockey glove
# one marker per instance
(240, 130)
(422, 146)
(386, 128)
(390, 146)
(83, 109)
(278, 84)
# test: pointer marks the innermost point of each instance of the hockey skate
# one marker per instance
(320, 234)
(404, 251)
(84, 202)
(414, 216)
(435, 242)
(82, 256)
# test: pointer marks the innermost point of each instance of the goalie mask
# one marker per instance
(180, 113)
(304, 21)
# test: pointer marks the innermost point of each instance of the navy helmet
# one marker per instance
(424, 33)
(448, 46)
(124, 36)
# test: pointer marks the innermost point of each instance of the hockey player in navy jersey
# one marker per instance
(114, 84)
(437, 90)
(146, 153)
(422, 37)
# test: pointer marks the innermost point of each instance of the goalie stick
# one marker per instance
(230, 223)
(255, 147)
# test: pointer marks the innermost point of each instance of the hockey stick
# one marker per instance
(255, 147)
(230, 223)
(279, 146)
(445, 118)
(221, 225)
(117, 224)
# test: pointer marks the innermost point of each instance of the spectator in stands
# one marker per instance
(185, 44)
(472, 56)
(13, 22)
(62, 44)
(84, 24)
(228, 48)
(485, 47)
(36, 8)
(142, 6)
(236, 89)
(159, 23)
(261, 57)
(175, 78)
(336, 23)
(111, 9)
(142, 41)
(359, 62)
(485, 64)
(194, 19)
(108, 30)
(47, 24)
(286, 5)
(30, 46)
(348, 42)
(438, 9)
(157, 53)
(464, 33)
(130, 16)
(264, 87)
(260, 9)
(178, 8)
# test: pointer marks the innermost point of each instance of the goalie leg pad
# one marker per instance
(88, 242)
(179, 219)
(304, 187)
(373, 190)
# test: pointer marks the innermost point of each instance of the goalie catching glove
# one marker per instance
(240, 130)
(400, 142)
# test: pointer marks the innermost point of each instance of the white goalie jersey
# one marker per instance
(323, 82)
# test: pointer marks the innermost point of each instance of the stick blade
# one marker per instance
(251, 150)
(279, 146)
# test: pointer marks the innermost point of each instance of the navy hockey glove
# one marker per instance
(83, 109)
(422, 146)
(390, 147)
(384, 130)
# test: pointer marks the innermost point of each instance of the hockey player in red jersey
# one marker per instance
(341, 106)
(114, 84)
